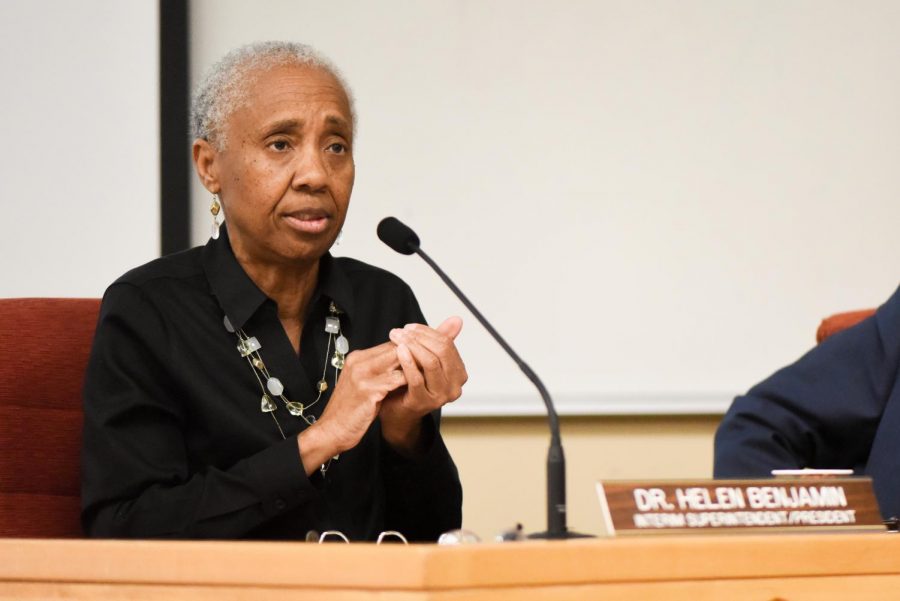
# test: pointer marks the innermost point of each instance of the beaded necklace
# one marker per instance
(249, 347)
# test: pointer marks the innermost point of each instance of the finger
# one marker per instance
(427, 386)
(377, 359)
(429, 365)
(371, 387)
(439, 344)
(385, 348)
(395, 378)
(435, 340)
(414, 378)
(451, 327)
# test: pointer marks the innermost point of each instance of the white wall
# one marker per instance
(655, 201)
(79, 144)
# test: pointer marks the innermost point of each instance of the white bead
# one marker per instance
(342, 345)
(228, 325)
(332, 325)
(214, 232)
(249, 345)
(275, 386)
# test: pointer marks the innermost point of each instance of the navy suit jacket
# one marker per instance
(837, 407)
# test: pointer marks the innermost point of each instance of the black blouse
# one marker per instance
(175, 444)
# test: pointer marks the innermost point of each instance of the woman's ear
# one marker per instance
(205, 157)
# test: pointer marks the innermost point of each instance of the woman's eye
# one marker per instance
(279, 145)
(337, 148)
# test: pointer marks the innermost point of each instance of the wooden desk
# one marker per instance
(758, 567)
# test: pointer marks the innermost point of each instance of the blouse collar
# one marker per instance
(240, 298)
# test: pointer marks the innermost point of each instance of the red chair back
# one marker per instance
(841, 321)
(44, 351)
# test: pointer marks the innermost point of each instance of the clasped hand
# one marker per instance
(400, 381)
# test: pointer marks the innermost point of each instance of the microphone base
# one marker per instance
(568, 534)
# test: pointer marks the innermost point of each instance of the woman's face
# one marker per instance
(286, 172)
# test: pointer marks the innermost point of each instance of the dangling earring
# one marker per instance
(215, 208)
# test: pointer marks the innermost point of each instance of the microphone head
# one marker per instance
(398, 236)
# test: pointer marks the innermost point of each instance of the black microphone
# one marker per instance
(398, 236)
(402, 239)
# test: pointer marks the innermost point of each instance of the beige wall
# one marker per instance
(502, 463)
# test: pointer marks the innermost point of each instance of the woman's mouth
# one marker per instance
(308, 222)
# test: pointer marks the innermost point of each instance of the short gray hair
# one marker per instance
(225, 86)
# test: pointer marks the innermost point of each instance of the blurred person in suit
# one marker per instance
(837, 407)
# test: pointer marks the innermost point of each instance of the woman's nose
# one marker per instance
(310, 173)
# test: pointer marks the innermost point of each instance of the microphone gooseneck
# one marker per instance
(404, 240)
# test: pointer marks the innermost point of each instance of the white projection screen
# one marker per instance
(656, 202)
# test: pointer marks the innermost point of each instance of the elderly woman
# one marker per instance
(258, 387)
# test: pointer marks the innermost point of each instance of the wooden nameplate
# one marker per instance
(706, 506)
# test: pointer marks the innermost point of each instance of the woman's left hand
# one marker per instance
(434, 373)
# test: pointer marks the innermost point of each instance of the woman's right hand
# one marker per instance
(368, 376)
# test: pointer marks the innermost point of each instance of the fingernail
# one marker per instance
(395, 333)
(409, 326)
